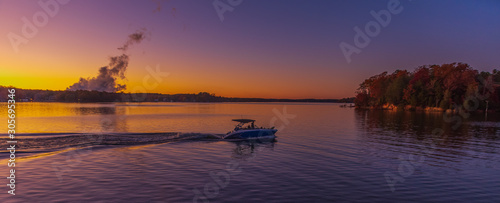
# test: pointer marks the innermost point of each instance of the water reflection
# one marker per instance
(452, 145)
(245, 150)
(94, 110)
(111, 118)
(421, 125)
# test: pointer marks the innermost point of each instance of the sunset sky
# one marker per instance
(270, 49)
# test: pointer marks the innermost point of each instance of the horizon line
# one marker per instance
(10, 86)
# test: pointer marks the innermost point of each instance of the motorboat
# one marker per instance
(246, 129)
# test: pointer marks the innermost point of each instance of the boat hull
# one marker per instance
(252, 134)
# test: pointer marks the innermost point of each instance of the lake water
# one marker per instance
(169, 152)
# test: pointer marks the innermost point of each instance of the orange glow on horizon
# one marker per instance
(70, 47)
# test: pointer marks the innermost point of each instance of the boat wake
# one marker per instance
(45, 142)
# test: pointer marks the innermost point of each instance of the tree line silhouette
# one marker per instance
(28, 95)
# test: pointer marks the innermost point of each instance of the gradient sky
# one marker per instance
(263, 48)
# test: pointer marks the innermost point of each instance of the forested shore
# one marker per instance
(455, 86)
(89, 96)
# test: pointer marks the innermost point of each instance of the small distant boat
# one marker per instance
(345, 105)
(246, 129)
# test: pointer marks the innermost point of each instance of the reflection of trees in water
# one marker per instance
(249, 149)
(111, 119)
(399, 122)
(420, 125)
(101, 110)
(392, 134)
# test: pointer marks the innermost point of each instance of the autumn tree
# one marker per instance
(445, 86)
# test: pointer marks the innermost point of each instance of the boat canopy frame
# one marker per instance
(244, 120)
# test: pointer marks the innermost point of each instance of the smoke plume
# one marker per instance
(107, 78)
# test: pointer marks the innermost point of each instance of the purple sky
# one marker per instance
(279, 48)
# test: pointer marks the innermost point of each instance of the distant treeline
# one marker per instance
(27, 95)
(435, 87)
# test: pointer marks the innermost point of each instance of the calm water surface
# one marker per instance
(169, 152)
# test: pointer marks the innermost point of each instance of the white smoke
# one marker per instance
(107, 78)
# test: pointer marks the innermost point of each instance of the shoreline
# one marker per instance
(391, 107)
